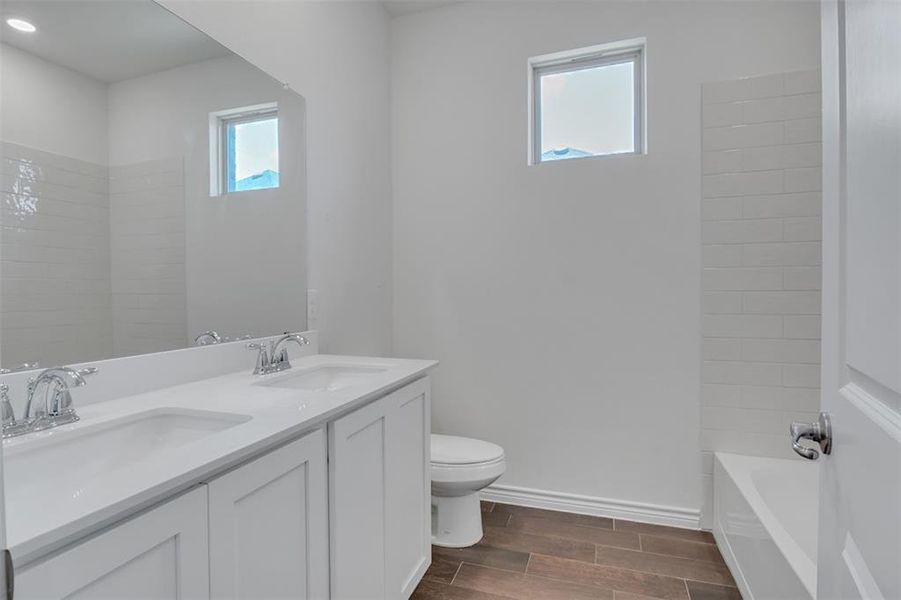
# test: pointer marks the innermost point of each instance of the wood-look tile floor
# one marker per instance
(533, 554)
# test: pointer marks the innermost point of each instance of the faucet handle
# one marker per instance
(10, 425)
(6, 408)
(262, 365)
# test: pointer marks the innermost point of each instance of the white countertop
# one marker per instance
(40, 523)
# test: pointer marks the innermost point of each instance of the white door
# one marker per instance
(860, 484)
(380, 497)
(159, 555)
(269, 526)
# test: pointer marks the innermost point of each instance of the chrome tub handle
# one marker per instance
(819, 431)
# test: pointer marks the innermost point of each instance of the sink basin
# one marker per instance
(327, 378)
(66, 463)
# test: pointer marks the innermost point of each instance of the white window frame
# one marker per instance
(219, 123)
(628, 51)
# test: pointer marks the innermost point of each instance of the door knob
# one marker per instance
(819, 431)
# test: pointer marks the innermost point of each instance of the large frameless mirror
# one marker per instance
(153, 187)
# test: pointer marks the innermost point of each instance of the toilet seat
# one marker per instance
(450, 451)
(474, 473)
(464, 463)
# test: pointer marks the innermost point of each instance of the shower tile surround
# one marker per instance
(72, 285)
(55, 260)
(147, 236)
(761, 257)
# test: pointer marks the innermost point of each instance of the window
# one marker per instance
(247, 153)
(587, 102)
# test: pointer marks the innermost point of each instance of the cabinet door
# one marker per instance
(380, 496)
(160, 554)
(269, 525)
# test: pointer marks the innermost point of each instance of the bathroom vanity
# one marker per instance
(154, 201)
(308, 483)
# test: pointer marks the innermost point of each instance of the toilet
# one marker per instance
(461, 467)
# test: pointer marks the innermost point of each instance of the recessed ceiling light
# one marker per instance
(21, 25)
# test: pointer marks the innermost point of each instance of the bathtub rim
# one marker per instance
(738, 468)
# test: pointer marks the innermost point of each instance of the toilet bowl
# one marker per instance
(461, 467)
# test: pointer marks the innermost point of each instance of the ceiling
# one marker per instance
(107, 40)
(404, 7)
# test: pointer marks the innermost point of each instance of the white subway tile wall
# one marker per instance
(147, 216)
(761, 251)
(92, 263)
(55, 258)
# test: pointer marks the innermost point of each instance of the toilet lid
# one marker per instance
(453, 450)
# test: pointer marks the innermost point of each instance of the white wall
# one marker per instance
(563, 299)
(33, 116)
(336, 55)
(244, 255)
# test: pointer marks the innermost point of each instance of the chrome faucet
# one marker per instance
(279, 353)
(206, 338)
(48, 403)
(276, 359)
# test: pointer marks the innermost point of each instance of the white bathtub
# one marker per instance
(765, 523)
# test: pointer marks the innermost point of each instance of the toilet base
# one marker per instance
(456, 520)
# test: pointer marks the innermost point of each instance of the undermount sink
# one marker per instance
(327, 378)
(69, 462)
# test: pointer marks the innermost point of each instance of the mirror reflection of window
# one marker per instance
(251, 152)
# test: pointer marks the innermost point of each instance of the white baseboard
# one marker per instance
(589, 505)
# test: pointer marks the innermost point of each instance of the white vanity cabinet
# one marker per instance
(160, 554)
(269, 525)
(342, 512)
(380, 498)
